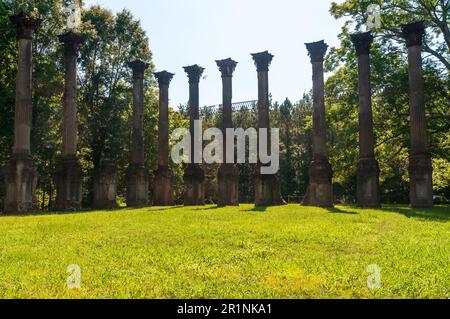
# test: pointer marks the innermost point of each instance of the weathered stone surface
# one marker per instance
(228, 179)
(137, 186)
(421, 181)
(368, 189)
(267, 189)
(68, 180)
(105, 186)
(20, 172)
(194, 187)
(20, 178)
(163, 193)
(194, 176)
(320, 188)
(420, 164)
(228, 174)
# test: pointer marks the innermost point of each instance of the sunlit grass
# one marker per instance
(206, 252)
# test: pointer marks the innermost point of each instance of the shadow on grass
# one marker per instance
(162, 208)
(86, 211)
(335, 210)
(209, 208)
(258, 209)
(438, 213)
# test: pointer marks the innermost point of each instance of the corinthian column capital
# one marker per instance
(164, 77)
(317, 50)
(362, 42)
(227, 67)
(413, 33)
(25, 25)
(262, 60)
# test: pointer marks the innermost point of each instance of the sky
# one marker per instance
(186, 32)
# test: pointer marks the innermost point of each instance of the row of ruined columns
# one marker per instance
(21, 174)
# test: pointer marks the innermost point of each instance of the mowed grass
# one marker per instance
(209, 252)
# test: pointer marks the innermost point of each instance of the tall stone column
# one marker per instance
(163, 194)
(138, 177)
(228, 176)
(68, 175)
(194, 176)
(267, 187)
(320, 189)
(420, 165)
(20, 172)
(368, 187)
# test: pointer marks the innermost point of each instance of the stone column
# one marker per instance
(267, 187)
(194, 176)
(105, 187)
(228, 177)
(20, 172)
(68, 176)
(420, 165)
(320, 189)
(368, 187)
(138, 177)
(163, 194)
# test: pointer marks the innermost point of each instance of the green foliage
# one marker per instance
(238, 252)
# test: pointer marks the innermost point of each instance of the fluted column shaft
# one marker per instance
(25, 27)
(319, 123)
(163, 130)
(137, 146)
(366, 139)
(194, 114)
(72, 44)
(227, 112)
(419, 135)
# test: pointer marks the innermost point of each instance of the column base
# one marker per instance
(267, 190)
(421, 181)
(320, 188)
(105, 186)
(68, 179)
(137, 186)
(163, 194)
(194, 186)
(20, 181)
(228, 178)
(368, 185)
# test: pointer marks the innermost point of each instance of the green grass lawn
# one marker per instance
(206, 252)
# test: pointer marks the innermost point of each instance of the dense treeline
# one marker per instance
(104, 101)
